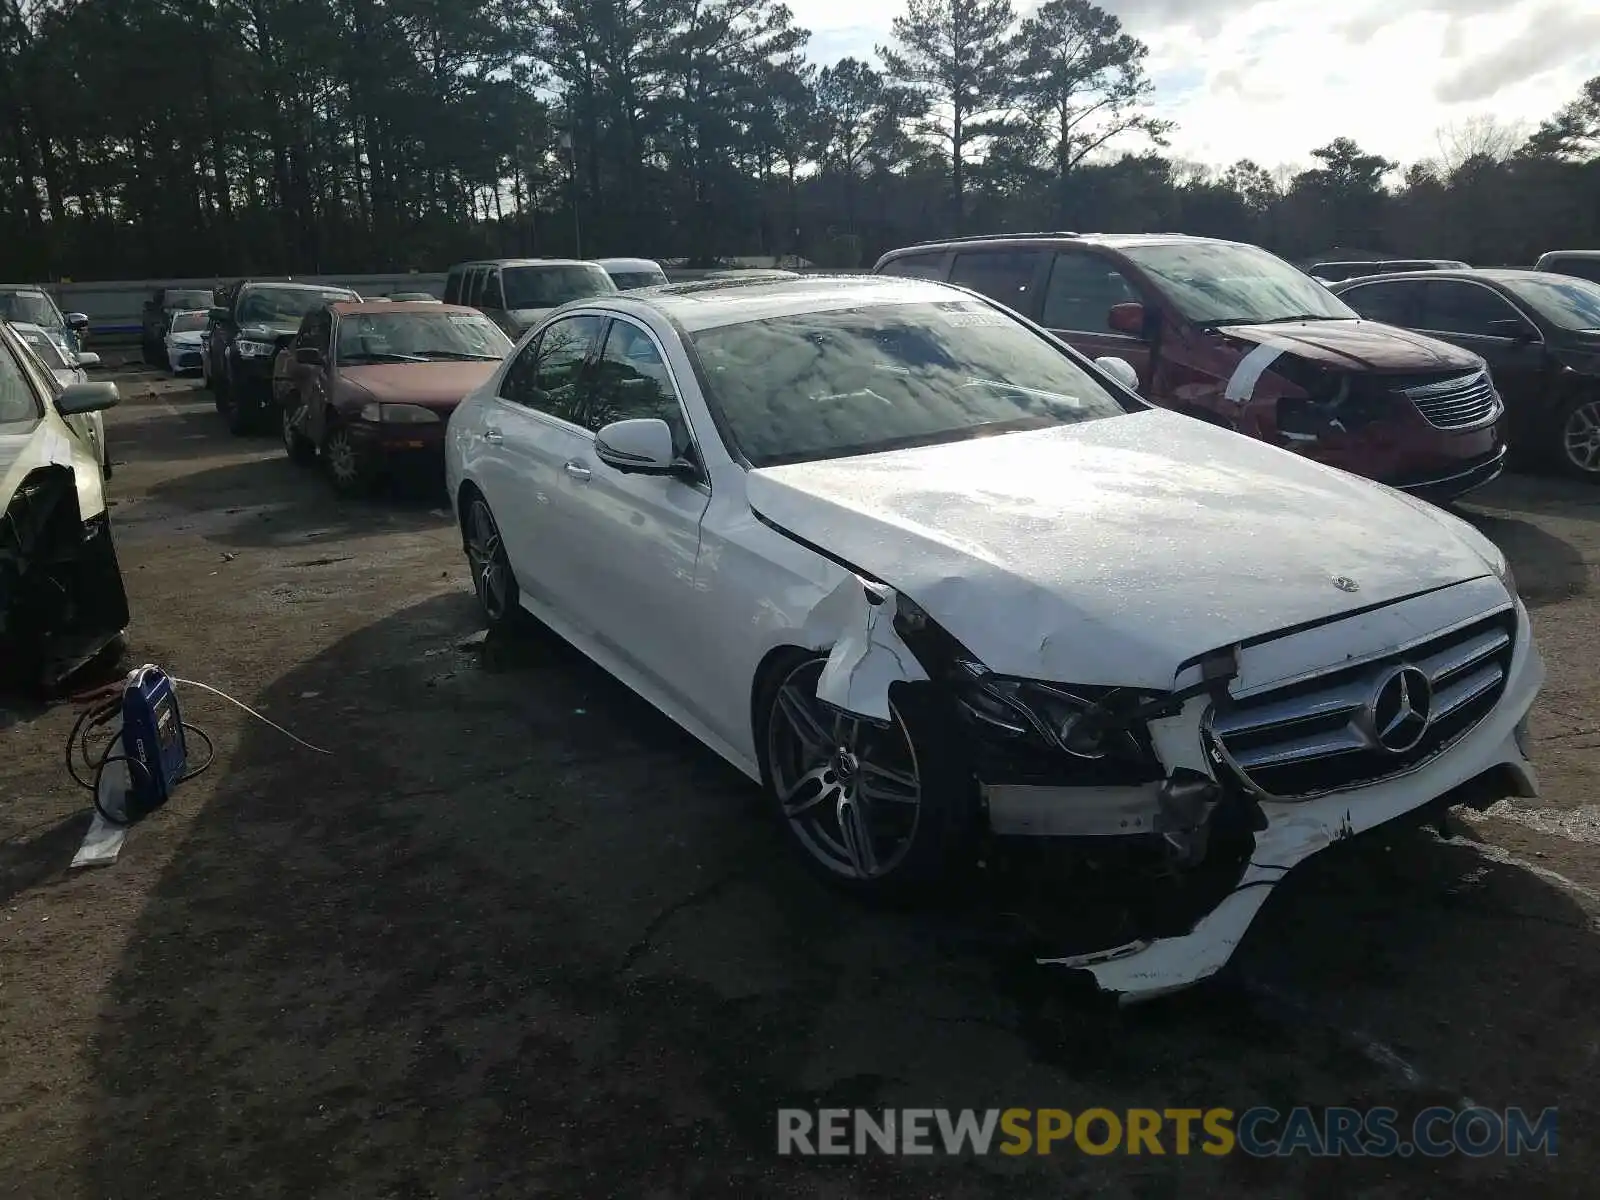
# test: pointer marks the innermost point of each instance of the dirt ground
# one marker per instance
(517, 935)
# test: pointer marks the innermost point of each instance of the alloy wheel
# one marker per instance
(1580, 437)
(850, 789)
(344, 464)
(486, 555)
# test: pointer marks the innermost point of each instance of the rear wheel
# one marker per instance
(1577, 441)
(302, 450)
(878, 809)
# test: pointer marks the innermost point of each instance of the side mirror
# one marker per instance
(1127, 318)
(88, 358)
(1121, 370)
(77, 322)
(638, 446)
(308, 356)
(1514, 328)
(219, 315)
(79, 398)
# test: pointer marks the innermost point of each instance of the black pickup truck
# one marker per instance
(250, 323)
(159, 308)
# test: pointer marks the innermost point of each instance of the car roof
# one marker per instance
(30, 289)
(294, 283)
(712, 303)
(1491, 274)
(525, 262)
(349, 307)
(629, 264)
(1569, 254)
(1111, 241)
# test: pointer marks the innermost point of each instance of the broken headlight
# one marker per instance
(1077, 721)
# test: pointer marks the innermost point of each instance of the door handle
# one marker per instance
(493, 436)
(577, 470)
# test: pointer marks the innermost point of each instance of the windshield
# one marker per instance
(626, 280)
(284, 305)
(1224, 283)
(39, 342)
(1565, 301)
(550, 287)
(420, 337)
(832, 384)
(189, 322)
(33, 307)
(188, 300)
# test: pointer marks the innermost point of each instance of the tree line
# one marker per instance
(222, 137)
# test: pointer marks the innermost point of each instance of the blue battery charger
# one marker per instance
(152, 740)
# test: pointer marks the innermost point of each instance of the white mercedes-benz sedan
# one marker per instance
(932, 578)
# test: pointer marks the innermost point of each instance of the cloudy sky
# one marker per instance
(1272, 79)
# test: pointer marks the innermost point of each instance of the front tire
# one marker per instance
(347, 462)
(493, 581)
(1577, 438)
(880, 810)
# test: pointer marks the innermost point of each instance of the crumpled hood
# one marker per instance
(436, 385)
(189, 337)
(1358, 345)
(1114, 551)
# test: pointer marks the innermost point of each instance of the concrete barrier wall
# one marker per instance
(115, 308)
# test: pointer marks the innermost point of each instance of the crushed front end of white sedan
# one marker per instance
(1184, 666)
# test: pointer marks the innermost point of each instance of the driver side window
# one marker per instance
(631, 381)
(548, 376)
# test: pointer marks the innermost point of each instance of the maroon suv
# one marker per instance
(1234, 335)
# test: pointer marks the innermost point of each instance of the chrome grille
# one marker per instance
(1317, 735)
(1455, 403)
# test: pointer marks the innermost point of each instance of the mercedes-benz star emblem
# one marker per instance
(1401, 709)
(1345, 584)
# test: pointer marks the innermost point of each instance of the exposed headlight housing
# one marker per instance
(399, 414)
(1048, 716)
(250, 349)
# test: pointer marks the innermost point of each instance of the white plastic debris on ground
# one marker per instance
(104, 841)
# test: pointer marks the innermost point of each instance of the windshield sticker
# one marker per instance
(462, 319)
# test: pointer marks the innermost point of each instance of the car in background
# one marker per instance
(1584, 264)
(182, 344)
(631, 273)
(32, 305)
(1333, 272)
(515, 293)
(372, 386)
(251, 321)
(68, 368)
(929, 577)
(411, 297)
(62, 599)
(1538, 331)
(158, 311)
(1230, 334)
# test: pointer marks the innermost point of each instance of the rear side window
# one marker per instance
(452, 287)
(917, 266)
(1081, 292)
(474, 286)
(1392, 303)
(1003, 275)
(1582, 268)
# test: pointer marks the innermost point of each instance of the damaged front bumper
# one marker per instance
(1484, 764)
